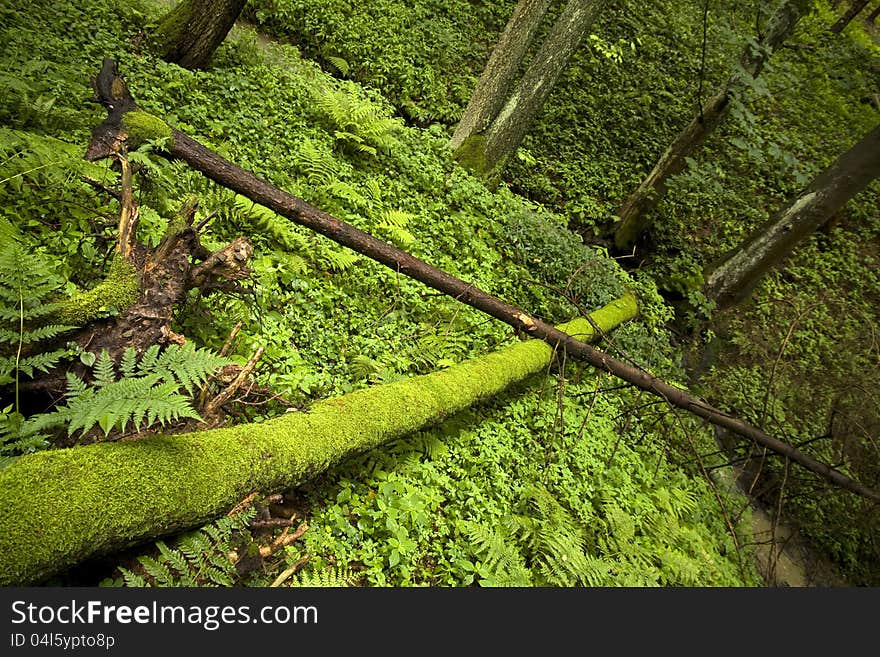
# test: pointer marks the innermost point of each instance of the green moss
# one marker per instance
(142, 127)
(117, 292)
(116, 494)
(472, 156)
(182, 218)
(172, 28)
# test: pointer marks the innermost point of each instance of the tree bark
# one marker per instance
(487, 153)
(635, 211)
(498, 76)
(736, 275)
(60, 507)
(854, 10)
(873, 17)
(190, 33)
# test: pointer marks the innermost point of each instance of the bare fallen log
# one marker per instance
(60, 507)
(126, 122)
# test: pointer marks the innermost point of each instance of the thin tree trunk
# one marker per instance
(60, 507)
(635, 211)
(487, 153)
(190, 33)
(734, 278)
(498, 76)
(854, 10)
(873, 17)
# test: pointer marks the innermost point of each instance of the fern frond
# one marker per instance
(357, 123)
(178, 562)
(149, 359)
(128, 363)
(279, 230)
(347, 192)
(34, 335)
(319, 165)
(104, 370)
(41, 160)
(132, 579)
(153, 396)
(189, 366)
(337, 259)
(374, 190)
(158, 570)
(27, 365)
(339, 64)
(198, 558)
(338, 577)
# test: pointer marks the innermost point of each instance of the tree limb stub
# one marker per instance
(247, 184)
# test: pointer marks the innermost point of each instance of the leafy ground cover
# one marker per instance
(612, 114)
(582, 482)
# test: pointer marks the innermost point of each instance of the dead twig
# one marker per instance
(244, 504)
(128, 215)
(285, 575)
(273, 522)
(283, 541)
(205, 391)
(232, 335)
(214, 405)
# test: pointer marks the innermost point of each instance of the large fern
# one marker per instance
(149, 391)
(357, 123)
(301, 246)
(28, 286)
(36, 159)
(544, 545)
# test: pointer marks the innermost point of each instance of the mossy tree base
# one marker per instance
(144, 285)
(60, 507)
(472, 156)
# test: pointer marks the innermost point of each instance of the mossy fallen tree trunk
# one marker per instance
(60, 507)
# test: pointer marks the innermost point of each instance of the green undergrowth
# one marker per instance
(536, 488)
(621, 498)
(600, 132)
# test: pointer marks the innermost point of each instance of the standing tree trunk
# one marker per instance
(635, 211)
(487, 152)
(854, 10)
(498, 76)
(191, 32)
(873, 17)
(737, 274)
